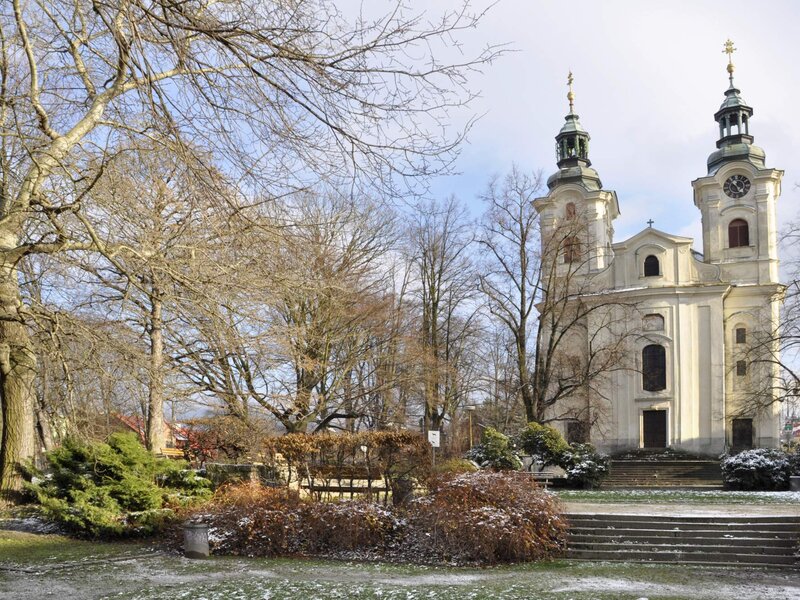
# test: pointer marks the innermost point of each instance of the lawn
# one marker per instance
(662, 496)
(34, 566)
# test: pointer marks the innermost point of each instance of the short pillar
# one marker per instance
(794, 483)
(195, 540)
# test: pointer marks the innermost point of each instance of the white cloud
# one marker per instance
(648, 78)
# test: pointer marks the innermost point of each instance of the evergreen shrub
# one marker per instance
(495, 452)
(544, 443)
(113, 488)
(584, 467)
(757, 469)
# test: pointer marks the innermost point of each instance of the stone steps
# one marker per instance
(664, 473)
(755, 541)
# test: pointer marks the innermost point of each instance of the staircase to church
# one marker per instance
(662, 469)
(771, 542)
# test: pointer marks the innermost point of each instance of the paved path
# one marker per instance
(684, 510)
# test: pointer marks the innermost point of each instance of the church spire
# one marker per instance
(729, 50)
(733, 118)
(572, 150)
(572, 142)
(570, 94)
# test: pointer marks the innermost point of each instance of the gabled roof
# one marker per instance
(651, 232)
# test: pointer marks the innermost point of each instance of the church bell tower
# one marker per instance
(737, 198)
(577, 213)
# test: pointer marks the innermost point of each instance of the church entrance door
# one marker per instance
(742, 434)
(654, 428)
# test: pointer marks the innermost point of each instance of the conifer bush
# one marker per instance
(544, 443)
(584, 466)
(113, 488)
(757, 469)
(495, 452)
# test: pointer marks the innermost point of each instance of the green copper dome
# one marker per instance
(733, 117)
(572, 152)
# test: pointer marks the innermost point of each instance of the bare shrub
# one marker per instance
(252, 520)
(486, 518)
(479, 518)
(347, 526)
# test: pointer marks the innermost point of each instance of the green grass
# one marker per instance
(662, 496)
(75, 569)
(29, 550)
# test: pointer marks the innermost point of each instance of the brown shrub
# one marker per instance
(352, 526)
(486, 518)
(483, 518)
(252, 520)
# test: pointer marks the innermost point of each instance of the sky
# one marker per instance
(649, 77)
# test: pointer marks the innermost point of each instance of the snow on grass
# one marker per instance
(663, 496)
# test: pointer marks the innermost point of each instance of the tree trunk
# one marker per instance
(155, 435)
(17, 372)
(43, 428)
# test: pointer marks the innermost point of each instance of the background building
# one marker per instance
(694, 325)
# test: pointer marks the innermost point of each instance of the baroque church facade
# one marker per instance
(690, 381)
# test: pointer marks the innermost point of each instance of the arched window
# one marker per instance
(572, 249)
(741, 335)
(570, 211)
(654, 368)
(738, 234)
(651, 267)
(653, 322)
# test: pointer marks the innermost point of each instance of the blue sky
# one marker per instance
(649, 77)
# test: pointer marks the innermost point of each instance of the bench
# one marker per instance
(543, 478)
(171, 453)
(345, 489)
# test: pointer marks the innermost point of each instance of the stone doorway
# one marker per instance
(654, 428)
(742, 438)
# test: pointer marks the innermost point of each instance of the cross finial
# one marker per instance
(729, 50)
(650, 223)
(570, 94)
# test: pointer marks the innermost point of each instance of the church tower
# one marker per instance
(738, 196)
(576, 215)
(737, 200)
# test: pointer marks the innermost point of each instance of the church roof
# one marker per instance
(674, 240)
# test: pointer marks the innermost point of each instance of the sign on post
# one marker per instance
(433, 438)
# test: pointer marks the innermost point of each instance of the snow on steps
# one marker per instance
(664, 473)
(753, 541)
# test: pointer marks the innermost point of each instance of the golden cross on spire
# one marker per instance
(729, 50)
(570, 94)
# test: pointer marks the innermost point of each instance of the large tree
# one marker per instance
(282, 91)
(441, 243)
(568, 335)
(512, 264)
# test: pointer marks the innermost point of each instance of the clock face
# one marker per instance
(736, 186)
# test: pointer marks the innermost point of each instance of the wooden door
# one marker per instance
(654, 428)
(742, 434)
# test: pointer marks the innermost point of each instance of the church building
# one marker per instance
(690, 380)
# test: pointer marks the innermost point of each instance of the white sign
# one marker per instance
(433, 438)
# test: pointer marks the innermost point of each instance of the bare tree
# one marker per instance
(441, 239)
(512, 268)
(281, 92)
(157, 210)
(583, 333)
(293, 344)
(501, 402)
(767, 358)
